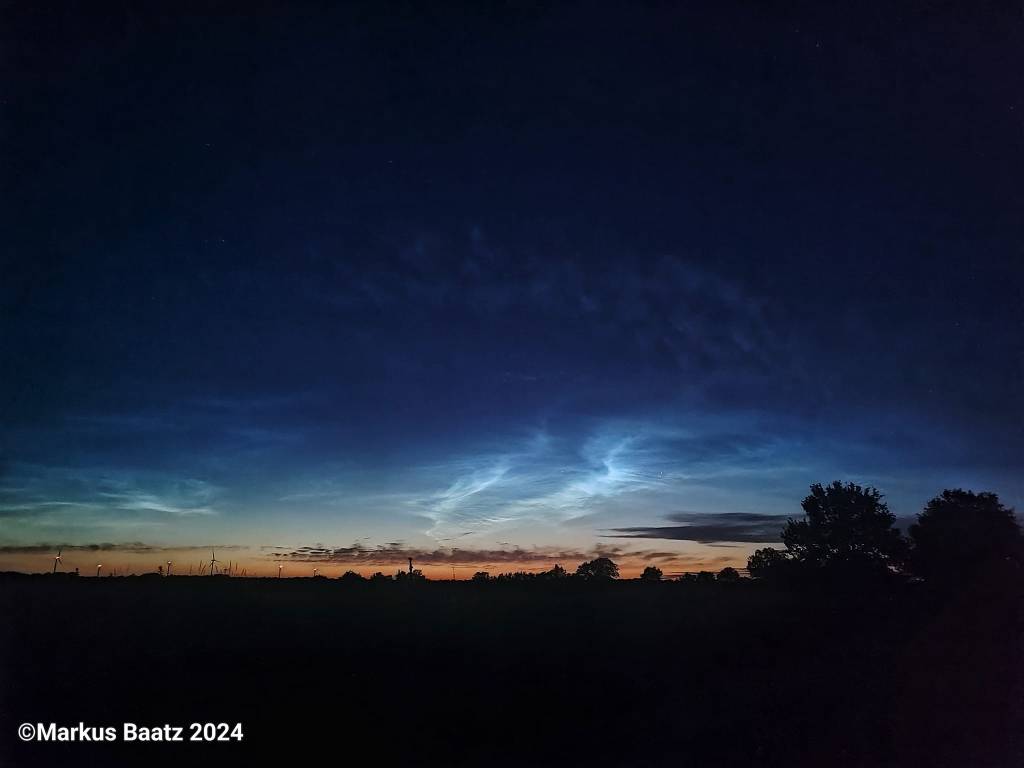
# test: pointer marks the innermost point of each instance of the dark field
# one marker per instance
(626, 674)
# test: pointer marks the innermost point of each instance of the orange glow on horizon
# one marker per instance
(188, 563)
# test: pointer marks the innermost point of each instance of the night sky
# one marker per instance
(500, 287)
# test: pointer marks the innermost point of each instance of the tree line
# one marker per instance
(846, 532)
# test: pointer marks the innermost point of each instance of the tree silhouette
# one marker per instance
(651, 573)
(558, 572)
(481, 576)
(729, 575)
(767, 563)
(844, 527)
(599, 569)
(705, 577)
(351, 577)
(959, 531)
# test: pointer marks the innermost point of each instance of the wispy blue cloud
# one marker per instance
(82, 497)
(557, 479)
(485, 393)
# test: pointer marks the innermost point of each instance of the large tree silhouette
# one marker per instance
(845, 528)
(599, 569)
(959, 531)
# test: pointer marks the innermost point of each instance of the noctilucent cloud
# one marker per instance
(338, 291)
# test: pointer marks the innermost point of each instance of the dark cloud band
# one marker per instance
(742, 527)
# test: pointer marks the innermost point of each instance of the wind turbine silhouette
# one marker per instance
(57, 560)
(213, 562)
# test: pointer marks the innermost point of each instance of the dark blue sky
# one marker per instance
(290, 275)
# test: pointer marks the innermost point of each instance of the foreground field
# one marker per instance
(550, 674)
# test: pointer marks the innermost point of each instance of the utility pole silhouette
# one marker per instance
(410, 565)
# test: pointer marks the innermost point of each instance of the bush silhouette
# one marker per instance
(558, 572)
(959, 532)
(651, 573)
(728, 575)
(768, 563)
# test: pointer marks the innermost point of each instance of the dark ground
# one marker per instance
(460, 674)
